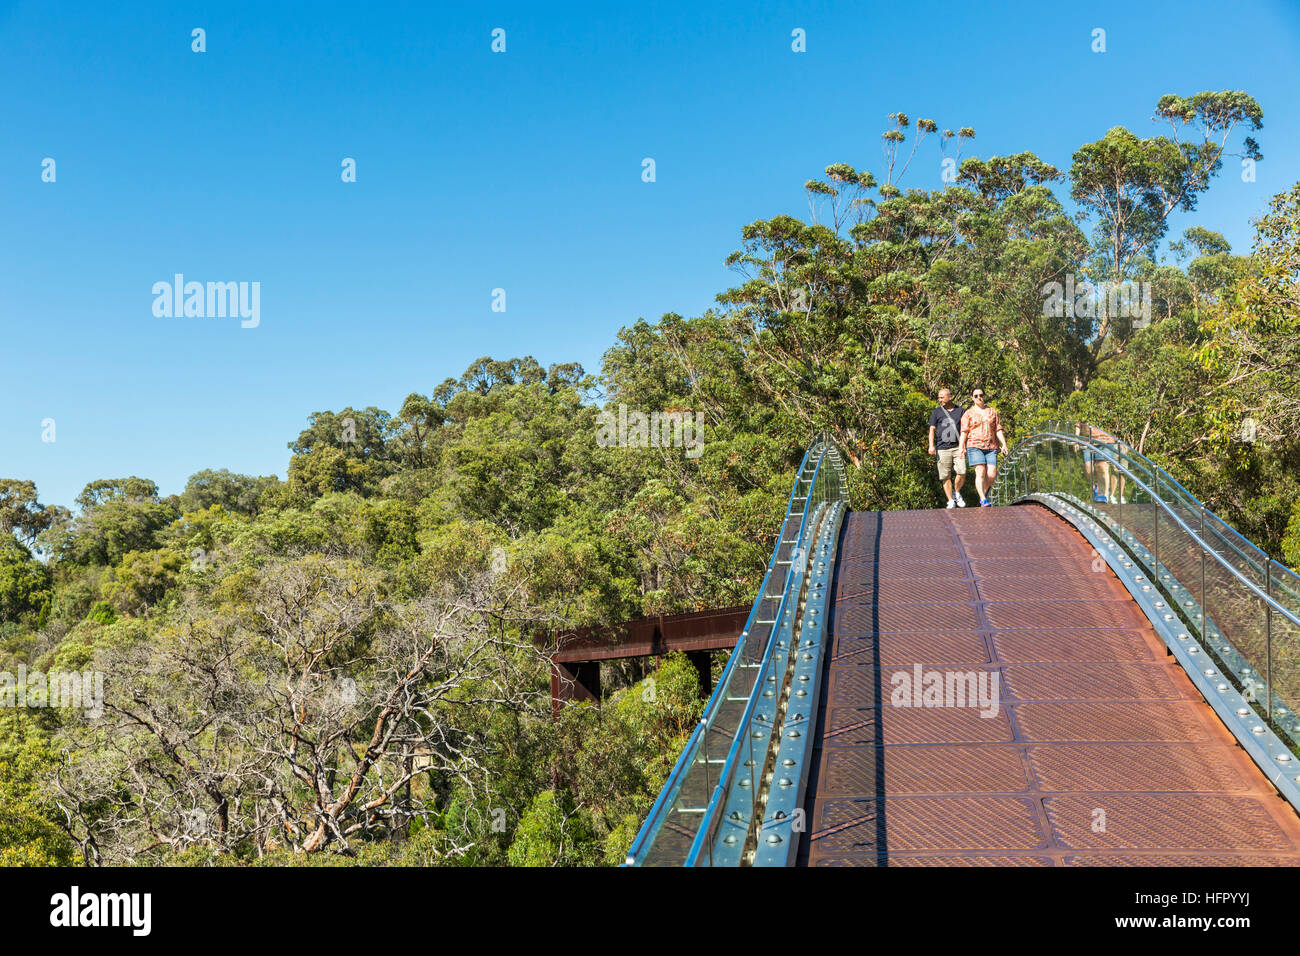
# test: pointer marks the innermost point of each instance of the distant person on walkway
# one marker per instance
(981, 437)
(945, 436)
(1112, 487)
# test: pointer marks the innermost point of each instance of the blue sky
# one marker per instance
(478, 171)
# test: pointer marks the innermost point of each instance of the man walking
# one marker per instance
(945, 435)
(981, 436)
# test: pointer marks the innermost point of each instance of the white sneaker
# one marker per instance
(952, 502)
(961, 502)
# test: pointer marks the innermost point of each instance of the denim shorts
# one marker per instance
(1097, 456)
(979, 456)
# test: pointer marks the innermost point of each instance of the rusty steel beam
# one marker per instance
(652, 636)
(575, 663)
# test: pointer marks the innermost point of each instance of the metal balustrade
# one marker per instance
(1239, 605)
(719, 777)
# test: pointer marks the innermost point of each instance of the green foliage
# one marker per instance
(101, 613)
(25, 584)
(1254, 347)
(1291, 540)
(325, 470)
(142, 580)
(22, 514)
(111, 525)
(553, 833)
(29, 834)
(616, 758)
(117, 489)
(233, 494)
(391, 531)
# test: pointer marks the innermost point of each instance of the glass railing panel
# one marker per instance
(1180, 566)
(1246, 557)
(682, 828)
(1284, 674)
(1224, 541)
(1233, 611)
(1181, 556)
(725, 717)
(1286, 587)
(1262, 626)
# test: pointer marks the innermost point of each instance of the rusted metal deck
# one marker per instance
(1099, 751)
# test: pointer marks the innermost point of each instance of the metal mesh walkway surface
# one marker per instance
(993, 696)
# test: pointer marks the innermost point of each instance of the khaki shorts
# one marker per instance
(950, 462)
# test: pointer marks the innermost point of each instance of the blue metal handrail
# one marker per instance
(783, 627)
(821, 477)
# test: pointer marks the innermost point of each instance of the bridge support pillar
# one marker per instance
(703, 662)
(574, 680)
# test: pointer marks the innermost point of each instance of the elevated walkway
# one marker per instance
(1059, 680)
(1097, 750)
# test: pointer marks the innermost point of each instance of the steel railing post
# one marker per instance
(1155, 520)
(708, 786)
(753, 787)
(1268, 639)
(1204, 616)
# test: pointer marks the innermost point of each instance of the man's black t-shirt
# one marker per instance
(947, 425)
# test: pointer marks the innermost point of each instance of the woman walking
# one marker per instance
(981, 437)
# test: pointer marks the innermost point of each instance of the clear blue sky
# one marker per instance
(476, 171)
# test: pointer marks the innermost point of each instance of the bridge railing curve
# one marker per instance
(724, 757)
(1217, 591)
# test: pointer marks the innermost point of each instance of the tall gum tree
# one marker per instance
(1131, 186)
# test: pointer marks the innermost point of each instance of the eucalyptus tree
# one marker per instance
(1131, 186)
(316, 713)
(1255, 343)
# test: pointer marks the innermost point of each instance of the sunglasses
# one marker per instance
(978, 395)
